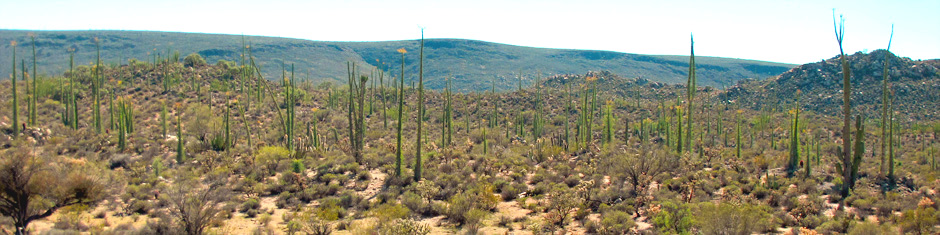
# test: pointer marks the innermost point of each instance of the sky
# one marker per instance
(788, 31)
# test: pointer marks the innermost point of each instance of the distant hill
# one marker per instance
(916, 85)
(475, 65)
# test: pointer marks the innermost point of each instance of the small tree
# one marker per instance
(33, 187)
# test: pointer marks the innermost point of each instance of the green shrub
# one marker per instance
(402, 227)
(616, 222)
(194, 60)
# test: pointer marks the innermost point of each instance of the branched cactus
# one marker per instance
(792, 165)
(884, 103)
(847, 160)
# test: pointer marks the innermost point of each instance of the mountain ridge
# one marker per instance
(474, 65)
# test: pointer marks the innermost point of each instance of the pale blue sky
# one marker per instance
(780, 31)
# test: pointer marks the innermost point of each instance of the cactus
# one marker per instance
(245, 121)
(691, 96)
(884, 103)
(226, 127)
(679, 142)
(382, 94)
(794, 140)
(401, 100)
(15, 124)
(567, 112)
(417, 176)
(96, 87)
(485, 143)
(157, 166)
(608, 124)
(72, 98)
(737, 135)
(35, 93)
(891, 142)
(163, 118)
(122, 125)
(356, 110)
(180, 152)
(847, 160)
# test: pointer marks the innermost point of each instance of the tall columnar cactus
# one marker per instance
(420, 109)
(180, 141)
(289, 103)
(384, 97)
(356, 110)
(226, 123)
(314, 134)
(486, 144)
(96, 86)
(122, 132)
(241, 112)
(884, 103)
(691, 95)
(401, 102)
(608, 123)
(72, 97)
(891, 142)
(449, 115)
(35, 92)
(847, 160)
(567, 112)
(15, 124)
(737, 134)
(679, 142)
(859, 150)
(163, 118)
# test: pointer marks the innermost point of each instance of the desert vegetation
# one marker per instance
(172, 145)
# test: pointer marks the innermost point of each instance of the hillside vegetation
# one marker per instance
(170, 147)
(474, 65)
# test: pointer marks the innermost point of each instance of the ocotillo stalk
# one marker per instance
(420, 109)
(15, 124)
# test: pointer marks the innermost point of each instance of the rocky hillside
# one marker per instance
(475, 65)
(916, 85)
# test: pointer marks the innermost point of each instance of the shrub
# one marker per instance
(616, 222)
(250, 204)
(194, 60)
(403, 227)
